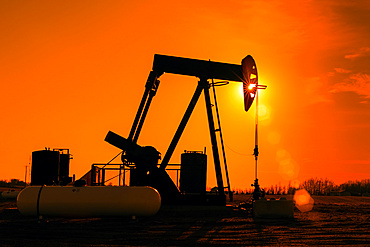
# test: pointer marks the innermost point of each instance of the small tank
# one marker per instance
(193, 173)
(50, 167)
(10, 194)
(45, 167)
(272, 208)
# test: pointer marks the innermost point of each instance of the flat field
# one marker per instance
(334, 220)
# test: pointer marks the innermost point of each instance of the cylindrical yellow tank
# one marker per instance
(91, 201)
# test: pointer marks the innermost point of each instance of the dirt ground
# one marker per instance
(333, 221)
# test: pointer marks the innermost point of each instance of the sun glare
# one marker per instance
(303, 200)
(251, 86)
(263, 112)
(288, 167)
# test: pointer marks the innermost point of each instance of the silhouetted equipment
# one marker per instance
(258, 193)
(193, 173)
(88, 201)
(250, 88)
(198, 68)
(80, 183)
(250, 81)
(143, 161)
(50, 167)
(145, 171)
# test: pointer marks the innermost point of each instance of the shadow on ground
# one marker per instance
(341, 222)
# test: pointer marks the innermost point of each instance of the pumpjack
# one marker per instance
(145, 169)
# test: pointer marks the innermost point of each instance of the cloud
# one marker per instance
(315, 88)
(358, 83)
(362, 52)
(342, 71)
(357, 78)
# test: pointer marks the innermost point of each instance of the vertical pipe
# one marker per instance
(58, 175)
(177, 177)
(25, 176)
(93, 175)
(103, 176)
(99, 178)
(211, 124)
(124, 176)
(256, 152)
(119, 176)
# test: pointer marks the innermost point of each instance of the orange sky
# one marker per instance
(70, 71)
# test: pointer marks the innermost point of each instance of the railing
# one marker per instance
(98, 173)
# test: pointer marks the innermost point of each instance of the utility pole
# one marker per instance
(25, 176)
(29, 171)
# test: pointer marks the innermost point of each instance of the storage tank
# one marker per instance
(272, 208)
(64, 159)
(193, 172)
(50, 167)
(91, 201)
(11, 194)
(45, 165)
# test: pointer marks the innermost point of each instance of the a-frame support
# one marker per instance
(203, 85)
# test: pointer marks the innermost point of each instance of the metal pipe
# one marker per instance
(93, 174)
